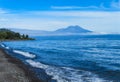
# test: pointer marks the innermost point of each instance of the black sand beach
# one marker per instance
(13, 70)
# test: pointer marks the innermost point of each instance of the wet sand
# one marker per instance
(13, 70)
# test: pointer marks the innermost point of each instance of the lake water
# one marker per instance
(85, 58)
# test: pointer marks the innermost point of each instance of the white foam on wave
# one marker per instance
(2, 45)
(65, 74)
(26, 54)
(7, 47)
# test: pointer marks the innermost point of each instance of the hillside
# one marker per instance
(70, 30)
(73, 29)
(6, 34)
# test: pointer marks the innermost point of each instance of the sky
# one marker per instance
(95, 15)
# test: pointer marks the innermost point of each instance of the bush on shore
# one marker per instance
(6, 34)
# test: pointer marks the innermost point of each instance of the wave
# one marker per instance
(26, 54)
(7, 47)
(4, 46)
(65, 74)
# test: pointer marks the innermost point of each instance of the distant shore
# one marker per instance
(13, 70)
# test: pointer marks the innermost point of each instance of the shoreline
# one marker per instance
(14, 70)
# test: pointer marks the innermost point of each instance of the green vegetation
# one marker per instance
(6, 34)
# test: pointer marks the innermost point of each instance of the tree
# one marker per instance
(23, 36)
(3, 35)
(6, 34)
(17, 35)
(26, 36)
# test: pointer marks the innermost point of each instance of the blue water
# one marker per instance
(85, 58)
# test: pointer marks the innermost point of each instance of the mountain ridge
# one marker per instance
(70, 30)
(73, 29)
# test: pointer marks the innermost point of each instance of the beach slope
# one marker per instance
(13, 70)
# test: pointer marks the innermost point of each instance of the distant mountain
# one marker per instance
(70, 30)
(73, 29)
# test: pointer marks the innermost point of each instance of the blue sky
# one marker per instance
(97, 15)
(28, 5)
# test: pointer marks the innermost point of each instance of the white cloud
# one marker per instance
(52, 20)
(73, 7)
(115, 4)
(2, 11)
